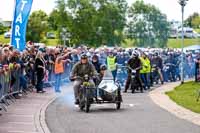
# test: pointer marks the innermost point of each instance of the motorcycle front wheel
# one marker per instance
(87, 102)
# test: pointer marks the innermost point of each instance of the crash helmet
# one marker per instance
(135, 54)
(84, 56)
(156, 54)
(103, 67)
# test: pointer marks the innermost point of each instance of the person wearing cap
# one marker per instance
(135, 64)
(80, 69)
(158, 62)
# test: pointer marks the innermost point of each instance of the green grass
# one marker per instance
(52, 42)
(49, 42)
(197, 30)
(186, 95)
(176, 43)
(172, 43)
(4, 40)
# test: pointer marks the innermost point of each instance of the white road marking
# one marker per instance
(131, 104)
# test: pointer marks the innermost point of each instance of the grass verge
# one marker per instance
(176, 43)
(186, 95)
(172, 43)
(4, 40)
(49, 42)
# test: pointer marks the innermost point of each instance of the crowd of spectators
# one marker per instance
(36, 64)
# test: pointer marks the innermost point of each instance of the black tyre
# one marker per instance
(87, 105)
(87, 101)
(81, 102)
(87, 109)
(81, 107)
(118, 105)
(119, 100)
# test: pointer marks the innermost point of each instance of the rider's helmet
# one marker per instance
(135, 54)
(103, 67)
(156, 54)
(84, 56)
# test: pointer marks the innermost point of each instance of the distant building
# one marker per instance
(174, 28)
(175, 24)
(6, 23)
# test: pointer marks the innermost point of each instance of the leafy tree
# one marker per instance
(112, 17)
(2, 28)
(147, 25)
(53, 20)
(37, 26)
(196, 22)
(192, 21)
(92, 22)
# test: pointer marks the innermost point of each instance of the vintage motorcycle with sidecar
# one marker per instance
(106, 92)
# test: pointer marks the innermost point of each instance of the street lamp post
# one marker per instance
(183, 4)
(99, 34)
(64, 34)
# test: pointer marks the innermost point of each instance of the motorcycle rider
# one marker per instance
(135, 64)
(158, 63)
(170, 62)
(80, 69)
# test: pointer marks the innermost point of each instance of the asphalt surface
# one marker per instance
(138, 115)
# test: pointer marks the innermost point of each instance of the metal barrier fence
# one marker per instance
(5, 90)
(10, 83)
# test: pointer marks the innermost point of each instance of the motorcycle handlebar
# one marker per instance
(81, 78)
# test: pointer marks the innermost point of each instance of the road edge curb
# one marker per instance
(40, 123)
(159, 97)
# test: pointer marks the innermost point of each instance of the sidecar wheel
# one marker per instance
(118, 105)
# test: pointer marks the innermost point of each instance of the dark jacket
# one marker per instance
(134, 63)
(158, 62)
(97, 66)
(80, 70)
(40, 71)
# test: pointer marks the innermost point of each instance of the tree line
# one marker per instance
(102, 22)
(193, 21)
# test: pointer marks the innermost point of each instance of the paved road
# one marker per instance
(138, 115)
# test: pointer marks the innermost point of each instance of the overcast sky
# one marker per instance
(169, 7)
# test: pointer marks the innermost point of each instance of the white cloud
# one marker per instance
(169, 7)
(172, 8)
(7, 7)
